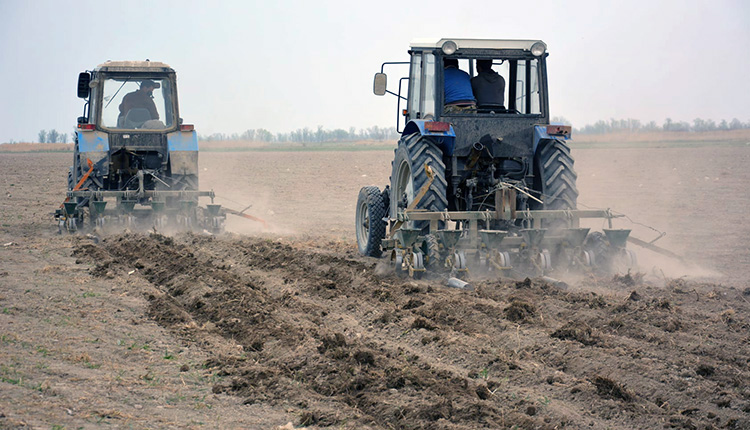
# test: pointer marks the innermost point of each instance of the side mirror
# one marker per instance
(84, 78)
(379, 85)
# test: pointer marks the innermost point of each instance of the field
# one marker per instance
(259, 328)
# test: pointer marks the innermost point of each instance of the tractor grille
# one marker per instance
(138, 142)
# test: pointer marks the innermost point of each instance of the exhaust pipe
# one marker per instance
(476, 152)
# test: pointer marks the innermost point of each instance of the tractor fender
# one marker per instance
(183, 152)
(182, 141)
(94, 146)
(540, 134)
(92, 141)
(445, 140)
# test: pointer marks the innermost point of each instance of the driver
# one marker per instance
(488, 86)
(141, 99)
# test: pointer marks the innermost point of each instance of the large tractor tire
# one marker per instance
(409, 176)
(370, 226)
(555, 179)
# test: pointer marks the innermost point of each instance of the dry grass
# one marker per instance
(676, 136)
(247, 144)
(36, 147)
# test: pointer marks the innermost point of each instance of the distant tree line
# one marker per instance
(320, 135)
(631, 125)
(52, 136)
(307, 135)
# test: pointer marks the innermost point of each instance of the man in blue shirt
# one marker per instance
(458, 94)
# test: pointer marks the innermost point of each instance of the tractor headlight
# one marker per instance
(449, 47)
(538, 48)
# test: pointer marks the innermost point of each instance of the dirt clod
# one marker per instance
(578, 331)
(422, 323)
(519, 311)
(629, 279)
(607, 387)
(365, 358)
(337, 340)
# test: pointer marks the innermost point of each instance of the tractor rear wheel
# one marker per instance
(555, 180)
(409, 176)
(370, 226)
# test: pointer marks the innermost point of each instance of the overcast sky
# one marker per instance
(283, 65)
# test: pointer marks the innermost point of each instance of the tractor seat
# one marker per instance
(491, 108)
(136, 117)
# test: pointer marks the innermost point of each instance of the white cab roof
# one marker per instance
(125, 65)
(475, 43)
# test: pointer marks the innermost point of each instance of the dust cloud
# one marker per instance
(310, 194)
(695, 196)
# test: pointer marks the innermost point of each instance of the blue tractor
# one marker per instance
(480, 176)
(133, 150)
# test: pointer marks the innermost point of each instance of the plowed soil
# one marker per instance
(290, 327)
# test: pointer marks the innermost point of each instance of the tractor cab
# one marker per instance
(130, 95)
(441, 70)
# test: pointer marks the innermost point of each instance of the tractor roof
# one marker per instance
(475, 43)
(134, 66)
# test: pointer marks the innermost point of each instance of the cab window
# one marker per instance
(126, 105)
(527, 94)
(415, 86)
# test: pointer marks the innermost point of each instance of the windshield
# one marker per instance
(491, 86)
(137, 103)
